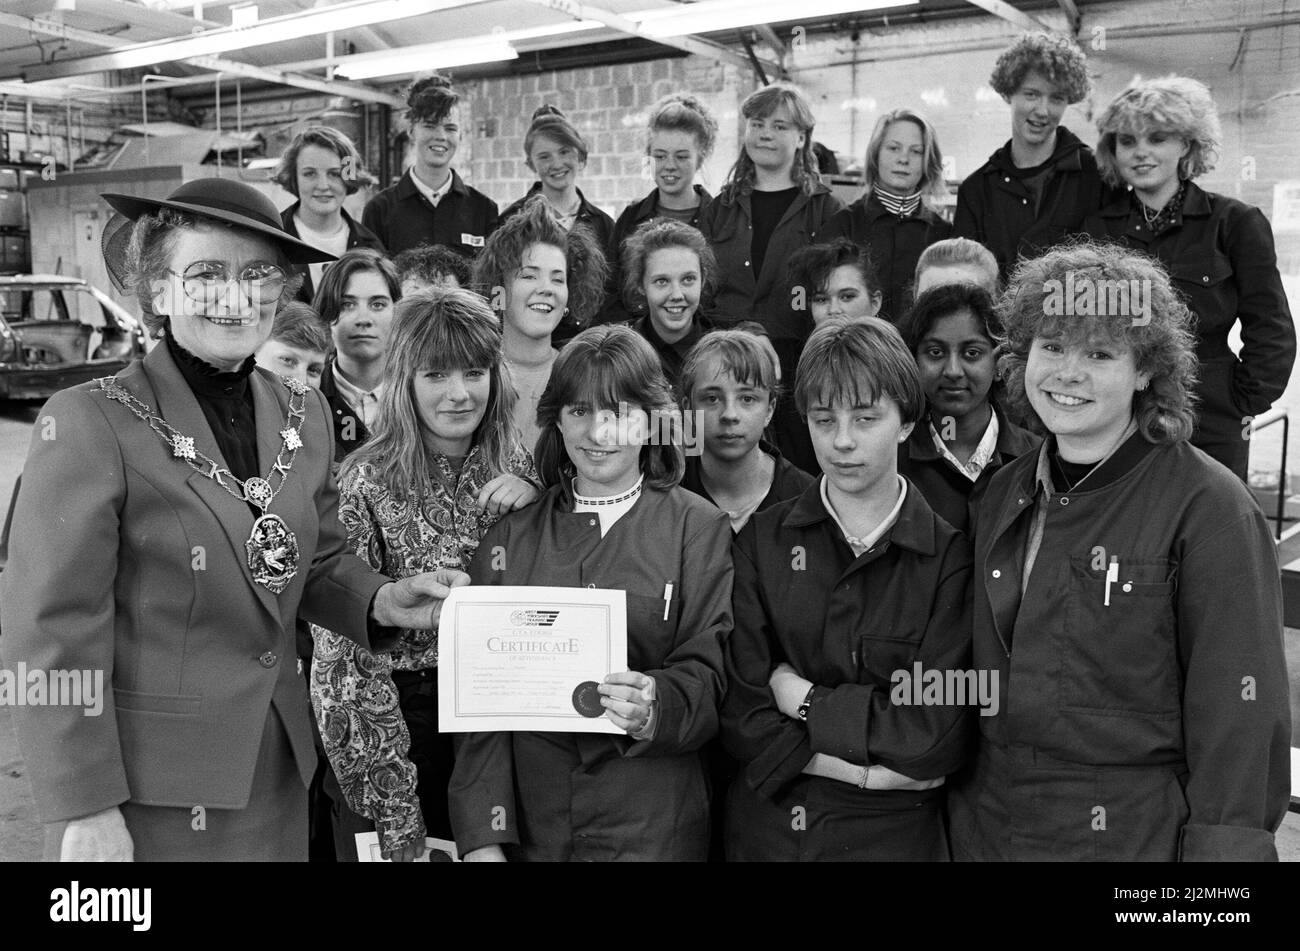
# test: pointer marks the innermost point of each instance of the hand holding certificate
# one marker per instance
(530, 658)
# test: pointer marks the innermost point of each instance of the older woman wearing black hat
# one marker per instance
(173, 521)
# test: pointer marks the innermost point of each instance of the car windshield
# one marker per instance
(24, 304)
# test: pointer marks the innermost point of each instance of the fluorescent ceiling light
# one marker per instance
(708, 16)
(415, 59)
(295, 26)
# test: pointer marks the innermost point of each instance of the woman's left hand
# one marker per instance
(628, 699)
(788, 689)
(506, 493)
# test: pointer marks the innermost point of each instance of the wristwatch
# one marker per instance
(802, 712)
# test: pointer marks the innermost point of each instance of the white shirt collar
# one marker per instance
(433, 194)
(982, 455)
(366, 404)
(859, 545)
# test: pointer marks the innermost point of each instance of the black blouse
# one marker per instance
(227, 403)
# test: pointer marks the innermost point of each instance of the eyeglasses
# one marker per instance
(208, 282)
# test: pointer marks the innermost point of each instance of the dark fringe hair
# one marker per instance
(432, 262)
(603, 367)
(856, 362)
(443, 328)
(334, 282)
(429, 99)
(811, 267)
(943, 300)
(1163, 347)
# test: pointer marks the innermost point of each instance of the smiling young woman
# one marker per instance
(1156, 137)
(668, 270)
(1128, 595)
(557, 154)
(445, 462)
(320, 168)
(544, 280)
(612, 516)
(680, 136)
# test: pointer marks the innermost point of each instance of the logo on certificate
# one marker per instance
(473, 240)
(523, 618)
(586, 699)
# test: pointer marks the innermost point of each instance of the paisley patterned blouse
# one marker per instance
(352, 689)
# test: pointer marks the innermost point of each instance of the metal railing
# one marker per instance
(1264, 420)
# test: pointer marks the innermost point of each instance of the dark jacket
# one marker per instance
(595, 796)
(728, 225)
(359, 236)
(846, 623)
(895, 245)
(997, 209)
(1220, 255)
(617, 309)
(601, 226)
(129, 563)
(403, 218)
(1153, 729)
(349, 431)
(788, 481)
(672, 356)
(951, 494)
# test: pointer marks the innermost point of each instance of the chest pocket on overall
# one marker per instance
(650, 638)
(1120, 657)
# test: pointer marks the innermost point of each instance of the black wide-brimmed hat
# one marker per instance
(220, 199)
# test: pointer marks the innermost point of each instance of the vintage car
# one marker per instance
(58, 331)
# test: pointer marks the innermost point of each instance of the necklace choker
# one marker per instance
(613, 500)
(272, 547)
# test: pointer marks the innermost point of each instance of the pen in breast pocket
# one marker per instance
(1112, 577)
(668, 597)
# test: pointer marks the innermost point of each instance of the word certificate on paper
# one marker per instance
(529, 658)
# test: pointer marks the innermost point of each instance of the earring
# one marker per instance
(566, 312)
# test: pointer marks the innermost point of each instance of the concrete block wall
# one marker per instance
(609, 106)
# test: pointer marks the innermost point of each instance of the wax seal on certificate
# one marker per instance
(586, 699)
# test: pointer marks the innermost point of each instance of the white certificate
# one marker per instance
(529, 658)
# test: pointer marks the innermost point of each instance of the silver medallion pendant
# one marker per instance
(258, 491)
(272, 552)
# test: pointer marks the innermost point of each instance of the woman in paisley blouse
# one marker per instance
(443, 465)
